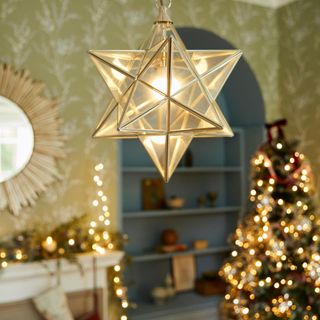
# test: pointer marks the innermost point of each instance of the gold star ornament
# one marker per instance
(164, 94)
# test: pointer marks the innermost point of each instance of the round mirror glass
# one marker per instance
(16, 139)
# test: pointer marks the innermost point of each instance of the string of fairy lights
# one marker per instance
(277, 247)
(116, 273)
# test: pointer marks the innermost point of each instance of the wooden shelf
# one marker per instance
(180, 212)
(178, 307)
(162, 256)
(217, 169)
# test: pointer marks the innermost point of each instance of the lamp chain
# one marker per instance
(161, 3)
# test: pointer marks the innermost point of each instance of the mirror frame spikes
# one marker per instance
(24, 188)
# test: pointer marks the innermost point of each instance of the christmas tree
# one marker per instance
(274, 268)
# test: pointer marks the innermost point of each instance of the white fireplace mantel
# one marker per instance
(27, 280)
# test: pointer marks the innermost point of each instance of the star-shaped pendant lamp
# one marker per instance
(163, 94)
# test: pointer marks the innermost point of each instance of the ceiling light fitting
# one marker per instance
(163, 94)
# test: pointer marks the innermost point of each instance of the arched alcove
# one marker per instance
(241, 98)
(218, 168)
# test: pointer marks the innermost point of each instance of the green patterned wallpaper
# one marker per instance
(51, 39)
(299, 25)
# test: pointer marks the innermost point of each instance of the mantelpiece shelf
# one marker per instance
(184, 169)
(181, 303)
(180, 212)
(161, 256)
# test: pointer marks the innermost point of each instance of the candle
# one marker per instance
(49, 245)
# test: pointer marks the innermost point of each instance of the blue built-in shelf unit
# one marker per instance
(219, 165)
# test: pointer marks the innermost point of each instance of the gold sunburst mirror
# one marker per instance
(30, 140)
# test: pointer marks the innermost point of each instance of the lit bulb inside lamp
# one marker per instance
(202, 66)
(161, 84)
(158, 139)
(153, 141)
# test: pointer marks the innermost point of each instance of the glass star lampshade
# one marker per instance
(164, 94)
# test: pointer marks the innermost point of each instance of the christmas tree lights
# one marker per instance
(274, 269)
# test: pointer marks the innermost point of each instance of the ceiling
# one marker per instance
(274, 4)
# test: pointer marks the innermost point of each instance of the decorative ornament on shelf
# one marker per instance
(162, 294)
(175, 202)
(169, 242)
(163, 94)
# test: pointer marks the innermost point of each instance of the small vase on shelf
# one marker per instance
(188, 159)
